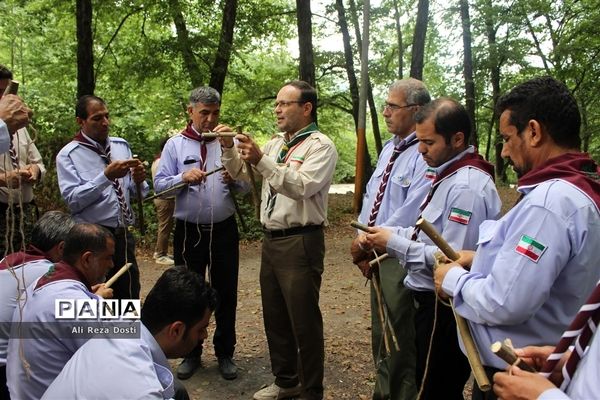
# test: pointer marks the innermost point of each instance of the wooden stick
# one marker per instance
(358, 225)
(507, 354)
(179, 186)
(380, 309)
(378, 259)
(211, 135)
(463, 328)
(116, 276)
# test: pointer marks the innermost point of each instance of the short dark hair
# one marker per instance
(308, 94)
(449, 117)
(51, 229)
(85, 237)
(178, 295)
(5, 73)
(549, 102)
(82, 103)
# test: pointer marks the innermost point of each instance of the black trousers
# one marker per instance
(4, 394)
(128, 285)
(489, 395)
(200, 246)
(448, 368)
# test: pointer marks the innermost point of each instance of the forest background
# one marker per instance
(144, 57)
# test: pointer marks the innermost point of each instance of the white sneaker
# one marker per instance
(274, 392)
(165, 260)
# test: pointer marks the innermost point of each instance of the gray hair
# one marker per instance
(205, 95)
(51, 229)
(415, 91)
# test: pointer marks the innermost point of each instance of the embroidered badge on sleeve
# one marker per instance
(460, 216)
(530, 248)
(430, 173)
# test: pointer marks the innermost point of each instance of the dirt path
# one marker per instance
(346, 315)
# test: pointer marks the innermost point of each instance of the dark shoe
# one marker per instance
(187, 367)
(227, 368)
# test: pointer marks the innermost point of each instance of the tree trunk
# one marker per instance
(468, 69)
(399, 40)
(85, 48)
(495, 78)
(183, 40)
(307, 63)
(219, 70)
(418, 48)
(372, 106)
(348, 57)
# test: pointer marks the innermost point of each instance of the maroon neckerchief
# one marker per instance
(190, 133)
(473, 160)
(32, 253)
(577, 169)
(90, 145)
(61, 271)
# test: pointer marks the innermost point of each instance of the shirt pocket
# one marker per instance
(433, 214)
(402, 181)
(487, 230)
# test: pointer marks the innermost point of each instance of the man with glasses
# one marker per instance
(297, 168)
(393, 195)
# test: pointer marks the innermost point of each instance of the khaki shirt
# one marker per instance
(301, 183)
(28, 154)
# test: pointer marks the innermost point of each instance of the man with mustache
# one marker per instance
(461, 196)
(392, 197)
(97, 177)
(535, 266)
(34, 360)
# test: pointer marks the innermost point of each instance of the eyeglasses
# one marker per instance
(394, 107)
(283, 103)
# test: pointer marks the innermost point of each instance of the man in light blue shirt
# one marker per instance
(19, 270)
(97, 177)
(536, 265)
(398, 205)
(36, 358)
(206, 234)
(461, 196)
(175, 317)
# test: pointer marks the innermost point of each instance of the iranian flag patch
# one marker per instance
(430, 173)
(460, 216)
(530, 248)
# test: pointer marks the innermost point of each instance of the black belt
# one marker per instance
(296, 230)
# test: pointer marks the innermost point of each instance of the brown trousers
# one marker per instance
(164, 215)
(290, 281)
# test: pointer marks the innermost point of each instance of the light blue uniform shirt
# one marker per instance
(4, 137)
(206, 203)
(406, 188)
(468, 189)
(45, 352)
(13, 283)
(584, 383)
(507, 294)
(115, 369)
(89, 194)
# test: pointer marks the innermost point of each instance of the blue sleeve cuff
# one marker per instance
(450, 283)
(398, 246)
(553, 394)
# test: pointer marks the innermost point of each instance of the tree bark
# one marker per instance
(372, 106)
(307, 63)
(85, 48)
(468, 70)
(349, 59)
(219, 70)
(418, 48)
(183, 40)
(399, 40)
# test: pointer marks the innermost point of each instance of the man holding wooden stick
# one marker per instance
(206, 232)
(393, 194)
(297, 167)
(97, 176)
(36, 358)
(461, 196)
(536, 265)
